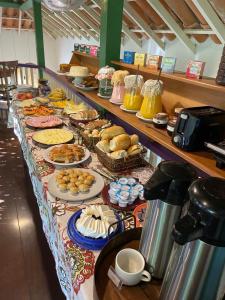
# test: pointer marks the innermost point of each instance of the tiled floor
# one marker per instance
(27, 267)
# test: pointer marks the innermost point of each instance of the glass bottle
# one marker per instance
(152, 102)
(43, 87)
(118, 86)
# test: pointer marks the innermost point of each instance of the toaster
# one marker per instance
(197, 125)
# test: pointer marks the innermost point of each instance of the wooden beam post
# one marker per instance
(39, 36)
(111, 27)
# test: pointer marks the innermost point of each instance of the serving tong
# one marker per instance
(106, 174)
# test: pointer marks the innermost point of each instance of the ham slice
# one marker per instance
(44, 122)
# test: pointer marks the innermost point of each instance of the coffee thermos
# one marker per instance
(165, 193)
(196, 269)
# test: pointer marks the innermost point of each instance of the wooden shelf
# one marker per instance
(85, 55)
(208, 83)
(201, 160)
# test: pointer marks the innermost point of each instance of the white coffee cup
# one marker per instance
(129, 266)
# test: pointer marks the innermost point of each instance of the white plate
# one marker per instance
(104, 97)
(95, 189)
(47, 158)
(116, 103)
(128, 110)
(142, 118)
(91, 88)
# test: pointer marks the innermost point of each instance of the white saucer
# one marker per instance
(116, 103)
(104, 97)
(142, 118)
(128, 110)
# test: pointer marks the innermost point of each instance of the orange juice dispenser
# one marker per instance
(133, 99)
(152, 102)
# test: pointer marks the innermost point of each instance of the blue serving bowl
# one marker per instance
(87, 242)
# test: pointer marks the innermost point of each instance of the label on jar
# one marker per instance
(170, 128)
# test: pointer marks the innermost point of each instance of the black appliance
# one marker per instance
(198, 125)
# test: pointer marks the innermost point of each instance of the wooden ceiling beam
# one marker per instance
(128, 9)
(88, 22)
(57, 24)
(82, 25)
(68, 25)
(19, 22)
(79, 30)
(172, 24)
(125, 28)
(46, 26)
(211, 18)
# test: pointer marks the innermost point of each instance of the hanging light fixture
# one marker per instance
(63, 5)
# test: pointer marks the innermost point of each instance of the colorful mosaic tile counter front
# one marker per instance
(74, 265)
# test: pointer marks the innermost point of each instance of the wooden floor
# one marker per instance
(27, 269)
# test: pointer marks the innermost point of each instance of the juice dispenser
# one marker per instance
(152, 102)
(196, 270)
(133, 99)
(165, 193)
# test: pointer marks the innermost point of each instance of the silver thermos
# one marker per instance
(165, 193)
(196, 269)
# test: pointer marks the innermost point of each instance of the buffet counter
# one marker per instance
(74, 265)
(155, 139)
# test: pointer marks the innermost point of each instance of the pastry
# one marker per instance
(85, 115)
(135, 149)
(96, 124)
(67, 153)
(103, 146)
(134, 139)
(95, 220)
(53, 136)
(118, 154)
(111, 132)
(120, 142)
(79, 71)
(74, 181)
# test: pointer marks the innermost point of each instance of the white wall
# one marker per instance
(207, 51)
(23, 48)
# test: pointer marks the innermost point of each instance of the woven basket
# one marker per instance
(89, 142)
(122, 164)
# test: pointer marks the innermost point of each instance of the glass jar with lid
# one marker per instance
(133, 99)
(118, 86)
(152, 102)
(105, 86)
(43, 87)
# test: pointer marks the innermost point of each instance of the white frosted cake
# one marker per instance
(95, 220)
(79, 71)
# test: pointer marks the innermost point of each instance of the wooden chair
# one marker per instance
(8, 82)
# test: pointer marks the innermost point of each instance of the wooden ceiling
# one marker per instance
(160, 20)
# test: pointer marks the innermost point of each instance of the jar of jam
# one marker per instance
(105, 76)
(132, 99)
(171, 125)
(152, 103)
(160, 120)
